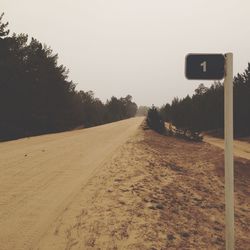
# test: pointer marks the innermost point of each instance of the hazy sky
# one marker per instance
(137, 47)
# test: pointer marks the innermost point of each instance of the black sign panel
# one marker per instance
(205, 66)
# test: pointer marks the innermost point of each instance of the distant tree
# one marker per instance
(142, 111)
(115, 109)
(3, 27)
(129, 105)
(92, 109)
(155, 121)
(118, 109)
(165, 112)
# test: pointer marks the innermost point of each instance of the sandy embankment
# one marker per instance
(156, 193)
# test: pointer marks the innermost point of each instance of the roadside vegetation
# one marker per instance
(155, 121)
(204, 111)
(36, 96)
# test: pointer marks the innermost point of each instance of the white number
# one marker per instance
(204, 66)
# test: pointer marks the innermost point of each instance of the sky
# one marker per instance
(136, 47)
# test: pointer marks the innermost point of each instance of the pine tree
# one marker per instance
(155, 121)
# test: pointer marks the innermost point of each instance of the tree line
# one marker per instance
(205, 109)
(36, 96)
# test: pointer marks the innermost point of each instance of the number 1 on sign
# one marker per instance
(204, 66)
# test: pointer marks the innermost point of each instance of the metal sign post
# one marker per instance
(229, 162)
(216, 67)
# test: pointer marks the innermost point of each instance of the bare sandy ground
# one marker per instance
(156, 192)
(241, 148)
(41, 176)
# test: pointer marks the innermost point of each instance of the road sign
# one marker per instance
(205, 66)
(216, 67)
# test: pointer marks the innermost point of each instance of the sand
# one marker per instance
(156, 192)
(117, 187)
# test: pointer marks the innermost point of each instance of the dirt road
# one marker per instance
(241, 148)
(40, 176)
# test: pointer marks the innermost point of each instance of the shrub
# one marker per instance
(155, 121)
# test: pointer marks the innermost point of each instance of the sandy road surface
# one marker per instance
(241, 148)
(40, 176)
